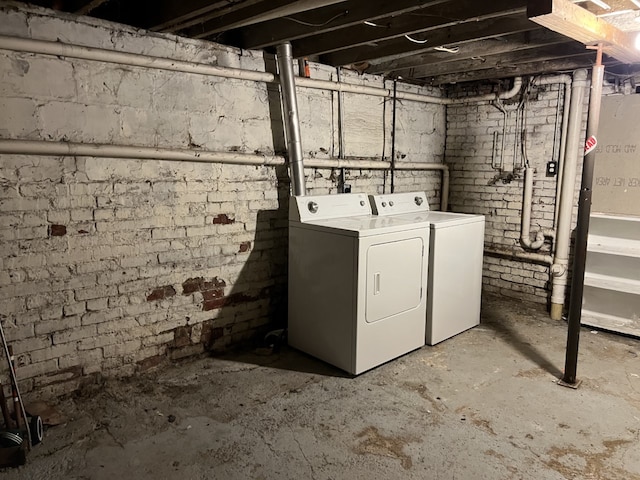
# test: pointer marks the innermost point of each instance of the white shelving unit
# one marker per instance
(612, 276)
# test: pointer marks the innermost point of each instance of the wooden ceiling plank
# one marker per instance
(470, 49)
(323, 20)
(533, 54)
(168, 15)
(88, 7)
(417, 22)
(446, 36)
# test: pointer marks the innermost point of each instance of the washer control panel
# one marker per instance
(396, 203)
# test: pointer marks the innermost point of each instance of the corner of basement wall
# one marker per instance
(111, 267)
(477, 187)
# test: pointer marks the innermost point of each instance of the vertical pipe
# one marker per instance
(393, 136)
(291, 120)
(563, 148)
(560, 268)
(582, 229)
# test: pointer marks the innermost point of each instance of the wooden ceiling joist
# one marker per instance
(573, 21)
(324, 20)
(417, 22)
(470, 49)
(445, 36)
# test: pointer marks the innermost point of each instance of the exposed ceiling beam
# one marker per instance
(418, 21)
(89, 7)
(323, 20)
(445, 36)
(167, 15)
(535, 54)
(534, 68)
(253, 14)
(470, 49)
(575, 22)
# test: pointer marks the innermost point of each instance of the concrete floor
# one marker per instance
(483, 405)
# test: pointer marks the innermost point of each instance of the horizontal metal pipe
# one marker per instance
(147, 61)
(49, 148)
(130, 59)
(520, 256)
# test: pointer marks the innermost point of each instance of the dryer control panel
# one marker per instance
(320, 207)
(396, 203)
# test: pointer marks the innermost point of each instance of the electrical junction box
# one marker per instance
(552, 168)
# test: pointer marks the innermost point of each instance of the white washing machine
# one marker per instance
(357, 282)
(456, 249)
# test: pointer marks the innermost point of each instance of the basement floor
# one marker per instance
(483, 405)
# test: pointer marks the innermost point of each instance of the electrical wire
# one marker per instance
(309, 24)
(420, 42)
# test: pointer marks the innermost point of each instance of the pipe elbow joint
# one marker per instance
(558, 270)
(580, 78)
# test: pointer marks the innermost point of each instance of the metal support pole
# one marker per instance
(291, 119)
(582, 228)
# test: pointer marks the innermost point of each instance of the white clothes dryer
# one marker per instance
(357, 282)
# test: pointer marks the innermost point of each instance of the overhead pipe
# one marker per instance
(560, 267)
(60, 49)
(71, 149)
(291, 119)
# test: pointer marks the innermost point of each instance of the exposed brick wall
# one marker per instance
(111, 266)
(477, 187)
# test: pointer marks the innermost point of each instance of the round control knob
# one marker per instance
(362, 203)
(418, 200)
(313, 207)
(391, 204)
(384, 204)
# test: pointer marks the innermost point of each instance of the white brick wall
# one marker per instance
(476, 187)
(111, 265)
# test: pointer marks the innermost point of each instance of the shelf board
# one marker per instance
(610, 322)
(606, 282)
(613, 246)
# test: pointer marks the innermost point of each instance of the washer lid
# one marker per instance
(361, 226)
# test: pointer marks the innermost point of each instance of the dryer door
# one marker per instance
(394, 278)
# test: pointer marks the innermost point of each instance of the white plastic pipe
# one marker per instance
(527, 204)
(574, 151)
(566, 80)
(147, 61)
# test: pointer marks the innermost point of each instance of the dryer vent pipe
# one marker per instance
(291, 119)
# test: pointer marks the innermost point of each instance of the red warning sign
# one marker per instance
(590, 145)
